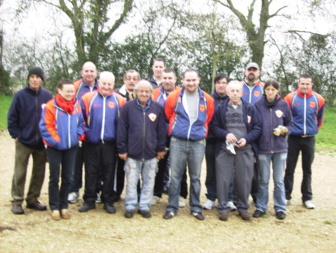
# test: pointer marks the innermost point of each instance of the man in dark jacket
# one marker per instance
(141, 140)
(23, 118)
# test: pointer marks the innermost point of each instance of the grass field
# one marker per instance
(4, 106)
(325, 140)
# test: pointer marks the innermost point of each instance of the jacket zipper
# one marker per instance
(304, 114)
(144, 137)
(271, 117)
(103, 121)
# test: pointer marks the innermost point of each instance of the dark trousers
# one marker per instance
(255, 182)
(210, 181)
(77, 173)
(22, 154)
(100, 159)
(307, 148)
(159, 179)
(61, 163)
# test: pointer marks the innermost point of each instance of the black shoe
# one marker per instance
(17, 209)
(198, 215)
(168, 215)
(110, 208)
(258, 213)
(37, 206)
(129, 213)
(145, 213)
(86, 207)
(280, 215)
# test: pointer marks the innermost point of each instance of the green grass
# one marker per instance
(326, 138)
(5, 102)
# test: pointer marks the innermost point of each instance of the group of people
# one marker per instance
(148, 131)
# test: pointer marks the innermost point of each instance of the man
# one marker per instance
(141, 141)
(101, 111)
(219, 95)
(158, 67)
(236, 125)
(23, 117)
(87, 83)
(131, 78)
(160, 95)
(307, 109)
(253, 90)
(189, 111)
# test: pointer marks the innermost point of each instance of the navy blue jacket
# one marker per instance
(141, 133)
(218, 100)
(251, 119)
(24, 115)
(279, 114)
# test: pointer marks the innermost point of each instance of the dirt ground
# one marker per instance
(96, 231)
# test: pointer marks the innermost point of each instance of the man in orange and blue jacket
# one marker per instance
(189, 112)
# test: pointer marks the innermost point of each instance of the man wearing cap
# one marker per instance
(23, 118)
(253, 90)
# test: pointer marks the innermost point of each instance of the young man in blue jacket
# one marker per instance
(141, 140)
(23, 118)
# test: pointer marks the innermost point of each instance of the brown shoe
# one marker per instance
(37, 206)
(55, 215)
(65, 214)
(223, 216)
(245, 215)
(17, 209)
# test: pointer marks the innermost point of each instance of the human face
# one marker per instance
(106, 86)
(131, 80)
(168, 81)
(35, 82)
(191, 82)
(89, 73)
(305, 85)
(158, 67)
(271, 93)
(252, 74)
(220, 87)
(144, 93)
(67, 92)
(234, 92)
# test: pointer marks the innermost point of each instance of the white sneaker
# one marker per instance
(309, 204)
(182, 202)
(209, 204)
(98, 199)
(232, 206)
(73, 197)
(155, 200)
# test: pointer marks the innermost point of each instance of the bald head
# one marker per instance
(89, 73)
(235, 91)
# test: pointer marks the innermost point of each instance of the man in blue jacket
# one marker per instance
(23, 118)
(141, 140)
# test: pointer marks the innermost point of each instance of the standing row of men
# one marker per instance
(142, 138)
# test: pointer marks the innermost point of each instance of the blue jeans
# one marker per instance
(278, 163)
(182, 151)
(133, 169)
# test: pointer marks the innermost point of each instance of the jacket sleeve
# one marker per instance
(170, 106)
(320, 114)
(255, 126)
(13, 118)
(162, 131)
(217, 126)
(211, 108)
(81, 127)
(288, 119)
(47, 126)
(122, 130)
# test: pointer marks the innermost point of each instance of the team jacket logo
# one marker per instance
(152, 116)
(202, 108)
(111, 104)
(312, 104)
(278, 113)
(256, 93)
